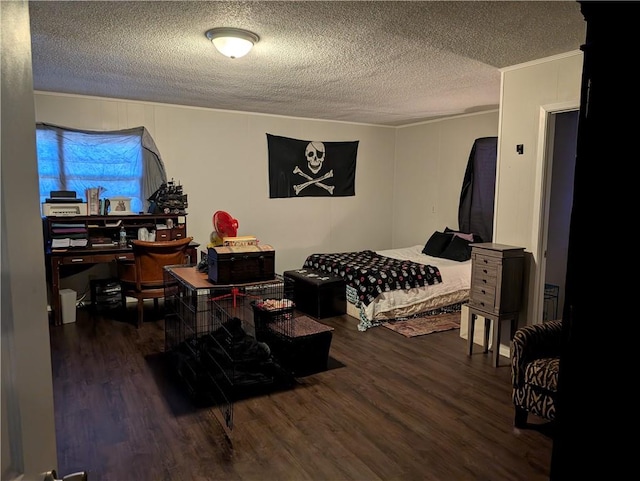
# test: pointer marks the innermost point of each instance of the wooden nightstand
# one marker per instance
(496, 290)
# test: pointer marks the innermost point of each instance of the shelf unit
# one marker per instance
(108, 226)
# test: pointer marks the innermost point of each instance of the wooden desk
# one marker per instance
(59, 259)
(101, 226)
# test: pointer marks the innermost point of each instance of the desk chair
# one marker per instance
(144, 277)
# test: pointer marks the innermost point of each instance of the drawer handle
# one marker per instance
(485, 271)
(122, 258)
(484, 280)
(482, 304)
(77, 260)
(485, 261)
(483, 291)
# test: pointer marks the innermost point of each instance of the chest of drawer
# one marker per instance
(496, 278)
(484, 276)
(484, 272)
(486, 264)
(483, 297)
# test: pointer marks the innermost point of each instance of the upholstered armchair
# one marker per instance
(144, 277)
(535, 352)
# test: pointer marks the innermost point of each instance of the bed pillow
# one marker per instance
(468, 236)
(437, 243)
(457, 250)
(462, 235)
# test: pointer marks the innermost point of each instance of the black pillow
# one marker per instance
(437, 243)
(457, 250)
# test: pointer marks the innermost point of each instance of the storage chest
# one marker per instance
(241, 264)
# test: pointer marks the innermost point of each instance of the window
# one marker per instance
(124, 163)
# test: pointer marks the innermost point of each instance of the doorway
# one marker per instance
(559, 168)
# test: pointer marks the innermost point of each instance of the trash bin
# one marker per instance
(68, 303)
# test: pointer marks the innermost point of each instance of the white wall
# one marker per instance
(526, 90)
(221, 159)
(431, 159)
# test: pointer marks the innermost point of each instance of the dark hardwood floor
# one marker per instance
(390, 408)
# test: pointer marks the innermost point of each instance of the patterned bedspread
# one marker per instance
(371, 274)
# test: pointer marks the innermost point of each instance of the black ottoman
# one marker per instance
(316, 293)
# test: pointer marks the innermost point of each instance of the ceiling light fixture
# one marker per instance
(232, 42)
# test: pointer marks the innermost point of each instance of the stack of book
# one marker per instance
(68, 235)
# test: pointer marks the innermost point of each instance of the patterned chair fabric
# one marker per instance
(535, 352)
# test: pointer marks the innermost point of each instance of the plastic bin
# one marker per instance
(68, 302)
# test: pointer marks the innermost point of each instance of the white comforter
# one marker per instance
(454, 288)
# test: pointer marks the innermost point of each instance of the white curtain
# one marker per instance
(123, 163)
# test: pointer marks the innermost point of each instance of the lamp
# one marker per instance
(232, 42)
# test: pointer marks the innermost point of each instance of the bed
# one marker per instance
(374, 292)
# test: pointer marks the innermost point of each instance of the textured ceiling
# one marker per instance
(385, 63)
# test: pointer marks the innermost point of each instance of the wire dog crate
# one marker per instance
(211, 335)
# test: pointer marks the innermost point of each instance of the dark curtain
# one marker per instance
(475, 213)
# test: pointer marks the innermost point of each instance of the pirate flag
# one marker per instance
(309, 168)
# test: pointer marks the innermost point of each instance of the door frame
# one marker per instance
(27, 409)
(541, 205)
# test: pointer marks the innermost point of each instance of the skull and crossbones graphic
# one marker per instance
(315, 156)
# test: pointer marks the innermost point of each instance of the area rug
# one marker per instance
(420, 326)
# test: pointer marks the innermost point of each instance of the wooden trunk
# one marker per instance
(241, 264)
